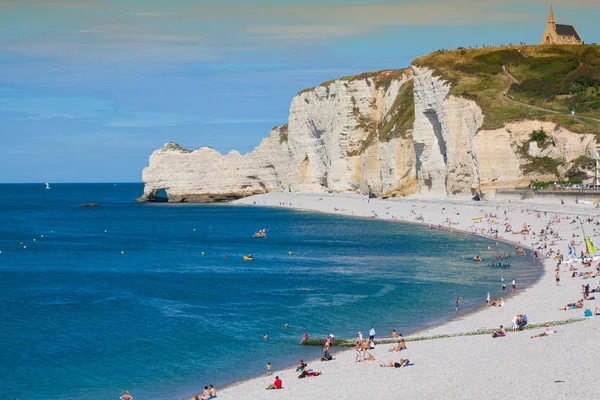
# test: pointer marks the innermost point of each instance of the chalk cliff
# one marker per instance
(388, 133)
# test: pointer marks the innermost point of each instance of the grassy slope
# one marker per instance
(559, 78)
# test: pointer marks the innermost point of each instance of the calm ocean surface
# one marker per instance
(80, 320)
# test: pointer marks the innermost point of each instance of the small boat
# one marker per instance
(249, 257)
(477, 258)
(262, 234)
(47, 186)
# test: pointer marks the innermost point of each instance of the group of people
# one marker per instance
(400, 346)
(519, 322)
(497, 302)
(209, 393)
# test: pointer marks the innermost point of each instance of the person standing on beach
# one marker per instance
(513, 286)
(358, 349)
(372, 334)
(557, 278)
(269, 368)
(488, 299)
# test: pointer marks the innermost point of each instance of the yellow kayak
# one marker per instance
(248, 258)
(476, 218)
(476, 258)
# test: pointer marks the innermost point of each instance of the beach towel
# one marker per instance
(587, 312)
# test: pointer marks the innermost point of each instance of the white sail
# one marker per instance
(47, 186)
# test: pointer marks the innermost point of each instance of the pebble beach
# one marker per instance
(460, 366)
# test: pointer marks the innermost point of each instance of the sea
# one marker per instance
(157, 299)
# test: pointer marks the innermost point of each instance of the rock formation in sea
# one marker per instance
(386, 133)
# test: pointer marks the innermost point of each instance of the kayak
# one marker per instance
(476, 258)
(248, 258)
(476, 218)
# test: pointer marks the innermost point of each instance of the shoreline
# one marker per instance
(339, 205)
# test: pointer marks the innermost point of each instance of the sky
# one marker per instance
(88, 89)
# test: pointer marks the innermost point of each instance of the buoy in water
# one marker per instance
(202, 253)
(105, 231)
(224, 255)
(290, 253)
(24, 247)
(34, 240)
(51, 231)
(194, 229)
(122, 252)
(42, 236)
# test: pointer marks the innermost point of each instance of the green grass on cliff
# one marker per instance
(559, 78)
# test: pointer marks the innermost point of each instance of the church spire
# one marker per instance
(551, 17)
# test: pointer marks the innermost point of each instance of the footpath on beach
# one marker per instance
(460, 359)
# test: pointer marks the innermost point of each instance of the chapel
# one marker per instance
(560, 34)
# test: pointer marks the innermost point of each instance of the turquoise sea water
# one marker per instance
(80, 320)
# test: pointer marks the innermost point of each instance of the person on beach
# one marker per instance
(304, 338)
(522, 321)
(499, 333)
(278, 384)
(513, 286)
(399, 347)
(549, 331)
(205, 394)
(269, 372)
(213, 391)
(358, 349)
(359, 337)
(126, 396)
(326, 355)
(503, 288)
(515, 323)
(557, 276)
(394, 364)
(301, 366)
(394, 334)
(365, 351)
(305, 374)
(488, 298)
(372, 334)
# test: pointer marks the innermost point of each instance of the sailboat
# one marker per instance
(47, 186)
(589, 246)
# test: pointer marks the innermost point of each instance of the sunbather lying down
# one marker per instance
(549, 331)
(396, 364)
(572, 306)
(305, 374)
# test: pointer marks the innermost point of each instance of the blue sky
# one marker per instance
(88, 89)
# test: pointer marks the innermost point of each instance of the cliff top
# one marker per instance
(539, 78)
(382, 78)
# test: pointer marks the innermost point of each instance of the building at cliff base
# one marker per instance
(560, 34)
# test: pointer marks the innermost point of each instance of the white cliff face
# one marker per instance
(330, 143)
(504, 154)
(443, 133)
(206, 175)
(358, 135)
